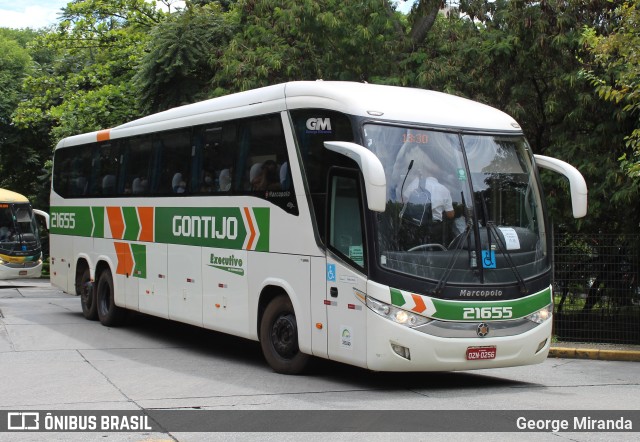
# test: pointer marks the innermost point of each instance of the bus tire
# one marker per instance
(85, 289)
(109, 313)
(279, 337)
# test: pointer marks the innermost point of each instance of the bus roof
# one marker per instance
(8, 196)
(389, 103)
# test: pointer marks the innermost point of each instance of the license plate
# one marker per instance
(22, 273)
(481, 353)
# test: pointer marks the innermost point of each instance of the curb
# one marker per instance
(595, 354)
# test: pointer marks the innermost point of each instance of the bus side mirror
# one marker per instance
(375, 181)
(44, 215)
(577, 185)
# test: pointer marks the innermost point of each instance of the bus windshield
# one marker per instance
(18, 228)
(461, 208)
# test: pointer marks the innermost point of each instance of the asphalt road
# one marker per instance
(51, 358)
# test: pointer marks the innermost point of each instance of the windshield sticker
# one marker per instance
(510, 238)
(488, 259)
(356, 255)
(462, 174)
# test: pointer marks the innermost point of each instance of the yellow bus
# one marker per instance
(20, 246)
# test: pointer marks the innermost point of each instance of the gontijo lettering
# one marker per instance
(205, 227)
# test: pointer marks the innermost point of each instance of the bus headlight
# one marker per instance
(541, 315)
(395, 314)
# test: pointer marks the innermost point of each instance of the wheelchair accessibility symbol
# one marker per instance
(331, 272)
(488, 259)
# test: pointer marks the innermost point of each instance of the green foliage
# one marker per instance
(176, 69)
(19, 157)
(88, 84)
(14, 64)
(524, 58)
(308, 40)
(614, 71)
(79, 81)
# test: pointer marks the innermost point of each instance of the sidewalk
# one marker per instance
(596, 351)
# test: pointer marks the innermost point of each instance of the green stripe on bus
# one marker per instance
(132, 225)
(262, 219)
(397, 298)
(455, 310)
(139, 252)
(221, 227)
(98, 222)
(448, 310)
(71, 221)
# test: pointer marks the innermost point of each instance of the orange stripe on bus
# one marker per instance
(125, 258)
(146, 223)
(251, 228)
(116, 222)
(104, 135)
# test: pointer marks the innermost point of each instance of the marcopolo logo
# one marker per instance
(319, 126)
(227, 263)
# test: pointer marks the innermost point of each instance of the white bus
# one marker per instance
(390, 228)
(20, 246)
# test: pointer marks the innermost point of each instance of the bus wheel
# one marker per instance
(108, 312)
(279, 337)
(84, 288)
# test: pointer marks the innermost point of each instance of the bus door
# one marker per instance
(346, 278)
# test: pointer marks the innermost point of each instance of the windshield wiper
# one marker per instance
(465, 238)
(404, 207)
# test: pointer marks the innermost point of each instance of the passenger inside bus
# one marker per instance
(224, 180)
(207, 185)
(178, 184)
(140, 185)
(267, 178)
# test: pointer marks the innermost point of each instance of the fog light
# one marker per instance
(401, 351)
(541, 346)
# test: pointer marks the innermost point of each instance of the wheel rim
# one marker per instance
(284, 336)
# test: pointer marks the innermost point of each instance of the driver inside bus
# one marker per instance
(427, 190)
(5, 233)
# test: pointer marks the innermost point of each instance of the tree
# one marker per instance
(177, 67)
(88, 85)
(20, 150)
(614, 70)
(327, 39)
(523, 57)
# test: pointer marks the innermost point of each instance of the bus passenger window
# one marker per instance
(217, 147)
